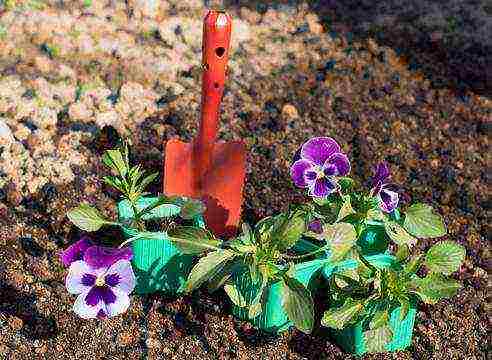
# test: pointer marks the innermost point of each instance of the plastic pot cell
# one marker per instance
(351, 339)
(273, 318)
(157, 263)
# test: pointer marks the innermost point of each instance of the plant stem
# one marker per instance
(305, 255)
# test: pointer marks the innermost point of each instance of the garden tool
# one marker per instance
(206, 169)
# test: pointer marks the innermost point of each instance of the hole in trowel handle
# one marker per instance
(220, 51)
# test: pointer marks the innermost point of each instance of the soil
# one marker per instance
(76, 76)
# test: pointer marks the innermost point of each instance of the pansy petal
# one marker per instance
(322, 187)
(77, 277)
(103, 257)
(340, 162)
(389, 200)
(319, 149)
(316, 226)
(381, 175)
(84, 310)
(75, 251)
(119, 306)
(120, 276)
(298, 170)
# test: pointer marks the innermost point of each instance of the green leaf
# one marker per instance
(377, 339)
(256, 305)
(445, 257)
(114, 160)
(161, 207)
(402, 253)
(288, 229)
(413, 265)
(341, 237)
(340, 317)
(380, 318)
(114, 182)
(207, 267)
(345, 183)
(398, 234)
(346, 209)
(191, 208)
(435, 287)
(235, 295)
(405, 307)
(192, 240)
(421, 221)
(375, 215)
(87, 218)
(298, 304)
(147, 181)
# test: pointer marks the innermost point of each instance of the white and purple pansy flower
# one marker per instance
(103, 292)
(383, 190)
(101, 276)
(321, 162)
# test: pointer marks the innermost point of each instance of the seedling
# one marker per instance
(258, 255)
(131, 182)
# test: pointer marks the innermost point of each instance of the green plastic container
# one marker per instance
(157, 263)
(351, 339)
(273, 318)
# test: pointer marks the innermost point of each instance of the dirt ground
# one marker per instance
(77, 75)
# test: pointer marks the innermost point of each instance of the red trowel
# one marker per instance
(206, 169)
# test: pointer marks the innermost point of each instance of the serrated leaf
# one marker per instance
(346, 209)
(192, 241)
(380, 318)
(235, 295)
(421, 221)
(341, 237)
(398, 234)
(147, 181)
(298, 304)
(114, 160)
(87, 218)
(377, 339)
(288, 229)
(207, 267)
(340, 317)
(435, 287)
(445, 257)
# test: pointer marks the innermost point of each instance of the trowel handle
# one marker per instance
(215, 48)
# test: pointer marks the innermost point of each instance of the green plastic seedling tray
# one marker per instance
(351, 339)
(157, 263)
(273, 318)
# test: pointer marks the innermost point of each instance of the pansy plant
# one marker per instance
(102, 276)
(258, 254)
(343, 219)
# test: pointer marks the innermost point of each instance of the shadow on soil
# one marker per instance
(438, 50)
(23, 306)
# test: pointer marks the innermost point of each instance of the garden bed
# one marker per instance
(287, 83)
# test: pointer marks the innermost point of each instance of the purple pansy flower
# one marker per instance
(103, 292)
(383, 189)
(103, 257)
(94, 255)
(75, 251)
(321, 161)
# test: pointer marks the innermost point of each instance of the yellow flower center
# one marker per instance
(100, 281)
